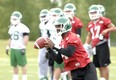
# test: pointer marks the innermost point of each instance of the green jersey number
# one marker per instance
(15, 35)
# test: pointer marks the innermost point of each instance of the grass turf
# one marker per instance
(32, 66)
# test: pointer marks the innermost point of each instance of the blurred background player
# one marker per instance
(88, 47)
(98, 33)
(19, 36)
(56, 38)
(70, 11)
(48, 30)
(42, 59)
(103, 13)
(58, 68)
(58, 2)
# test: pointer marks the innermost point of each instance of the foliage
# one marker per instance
(31, 8)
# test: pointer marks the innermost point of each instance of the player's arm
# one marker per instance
(78, 31)
(25, 38)
(88, 38)
(68, 51)
(8, 46)
(55, 55)
(111, 28)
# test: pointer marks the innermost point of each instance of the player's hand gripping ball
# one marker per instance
(40, 42)
(49, 43)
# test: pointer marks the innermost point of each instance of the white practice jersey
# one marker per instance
(16, 33)
(43, 29)
(47, 29)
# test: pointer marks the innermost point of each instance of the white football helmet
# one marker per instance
(102, 10)
(43, 16)
(94, 12)
(62, 25)
(15, 18)
(55, 13)
(69, 10)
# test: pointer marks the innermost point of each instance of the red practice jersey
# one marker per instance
(79, 58)
(76, 23)
(96, 28)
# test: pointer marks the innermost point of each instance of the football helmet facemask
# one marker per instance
(43, 16)
(94, 12)
(69, 10)
(62, 25)
(15, 18)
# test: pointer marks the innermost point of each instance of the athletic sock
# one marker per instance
(15, 77)
(24, 77)
(102, 78)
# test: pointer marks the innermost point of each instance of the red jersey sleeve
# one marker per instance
(88, 26)
(73, 41)
(106, 21)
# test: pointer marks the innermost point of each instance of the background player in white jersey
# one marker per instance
(19, 36)
(42, 59)
(54, 14)
(47, 30)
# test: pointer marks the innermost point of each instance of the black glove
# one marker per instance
(55, 55)
(23, 51)
(7, 50)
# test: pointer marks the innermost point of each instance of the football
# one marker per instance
(40, 42)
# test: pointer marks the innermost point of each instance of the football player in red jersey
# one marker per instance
(71, 52)
(69, 11)
(98, 33)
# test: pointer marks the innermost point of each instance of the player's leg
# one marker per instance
(102, 59)
(43, 64)
(15, 73)
(51, 70)
(14, 64)
(90, 72)
(22, 61)
(57, 70)
(104, 73)
(86, 73)
(65, 76)
(51, 67)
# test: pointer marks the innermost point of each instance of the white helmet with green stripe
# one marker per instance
(94, 12)
(62, 25)
(15, 18)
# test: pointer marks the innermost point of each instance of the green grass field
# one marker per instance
(32, 54)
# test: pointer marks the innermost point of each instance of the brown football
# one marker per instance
(40, 42)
